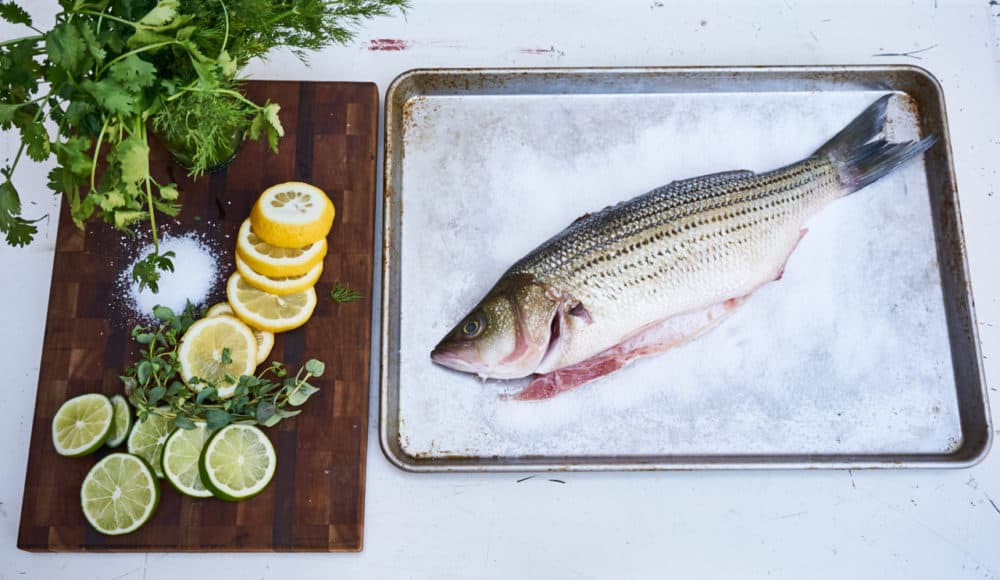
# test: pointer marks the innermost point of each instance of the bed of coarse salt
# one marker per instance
(195, 275)
(847, 354)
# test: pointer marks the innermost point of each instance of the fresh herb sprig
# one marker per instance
(154, 386)
(109, 72)
(342, 293)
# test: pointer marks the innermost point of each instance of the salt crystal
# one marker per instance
(195, 273)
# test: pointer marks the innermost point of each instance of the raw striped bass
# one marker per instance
(645, 275)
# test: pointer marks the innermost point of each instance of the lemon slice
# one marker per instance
(267, 311)
(204, 349)
(119, 494)
(180, 460)
(292, 214)
(220, 309)
(279, 285)
(147, 438)
(265, 339)
(122, 421)
(274, 261)
(238, 462)
(82, 424)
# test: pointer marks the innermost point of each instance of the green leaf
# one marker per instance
(227, 65)
(133, 72)
(72, 155)
(174, 388)
(182, 422)
(17, 230)
(132, 155)
(93, 45)
(111, 96)
(272, 420)
(145, 338)
(156, 394)
(36, 139)
(143, 370)
(217, 419)
(169, 191)
(66, 47)
(163, 313)
(265, 411)
(205, 394)
(284, 414)
(14, 14)
(146, 37)
(7, 114)
(161, 15)
(113, 200)
(315, 367)
(227, 357)
(300, 395)
(124, 218)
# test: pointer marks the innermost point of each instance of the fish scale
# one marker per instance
(680, 227)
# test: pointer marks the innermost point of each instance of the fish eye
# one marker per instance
(472, 327)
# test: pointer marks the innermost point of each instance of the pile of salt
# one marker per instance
(195, 273)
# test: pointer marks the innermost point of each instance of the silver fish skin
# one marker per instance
(695, 246)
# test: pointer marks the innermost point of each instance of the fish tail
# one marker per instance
(860, 153)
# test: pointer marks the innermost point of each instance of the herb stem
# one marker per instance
(34, 38)
(225, 36)
(229, 92)
(149, 200)
(109, 17)
(97, 152)
(136, 51)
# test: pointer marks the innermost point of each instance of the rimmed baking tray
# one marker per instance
(864, 355)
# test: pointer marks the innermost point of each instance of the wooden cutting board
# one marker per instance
(316, 500)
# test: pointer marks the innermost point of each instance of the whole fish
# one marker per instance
(650, 273)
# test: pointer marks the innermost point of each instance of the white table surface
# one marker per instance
(774, 524)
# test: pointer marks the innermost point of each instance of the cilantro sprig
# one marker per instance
(90, 90)
(154, 387)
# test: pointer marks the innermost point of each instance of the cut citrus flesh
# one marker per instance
(121, 423)
(265, 339)
(220, 309)
(292, 214)
(203, 350)
(180, 460)
(119, 494)
(82, 424)
(238, 462)
(275, 261)
(268, 311)
(147, 438)
(281, 285)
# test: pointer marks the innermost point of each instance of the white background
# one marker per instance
(785, 524)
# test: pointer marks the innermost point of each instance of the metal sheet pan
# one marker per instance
(865, 355)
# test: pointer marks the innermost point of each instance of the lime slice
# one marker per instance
(82, 424)
(180, 460)
(147, 438)
(238, 462)
(122, 421)
(119, 494)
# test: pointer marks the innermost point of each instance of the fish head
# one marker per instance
(506, 335)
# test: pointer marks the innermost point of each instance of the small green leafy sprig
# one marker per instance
(342, 293)
(154, 386)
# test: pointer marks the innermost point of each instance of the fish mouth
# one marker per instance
(452, 359)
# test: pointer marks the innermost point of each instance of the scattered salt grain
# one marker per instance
(195, 273)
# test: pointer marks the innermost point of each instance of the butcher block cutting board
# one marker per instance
(316, 500)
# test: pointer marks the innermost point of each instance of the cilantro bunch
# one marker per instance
(111, 72)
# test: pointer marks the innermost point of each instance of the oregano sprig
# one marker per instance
(154, 387)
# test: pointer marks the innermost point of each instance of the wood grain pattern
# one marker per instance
(316, 501)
